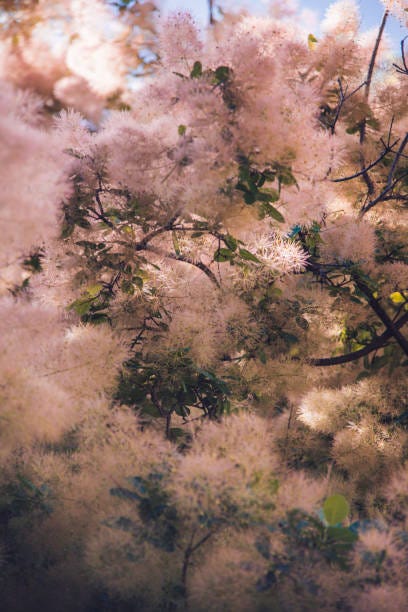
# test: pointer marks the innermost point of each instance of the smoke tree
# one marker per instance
(76, 54)
(204, 299)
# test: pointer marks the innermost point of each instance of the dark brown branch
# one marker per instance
(211, 11)
(202, 541)
(392, 327)
(374, 345)
(381, 198)
(390, 183)
(374, 54)
(367, 168)
(186, 559)
(94, 214)
(189, 551)
(365, 175)
(403, 70)
(101, 214)
(343, 97)
(396, 159)
(198, 264)
(142, 244)
(157, 403)
(381, 314)
(398, 197)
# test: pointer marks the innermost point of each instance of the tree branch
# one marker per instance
(392, 327)
(374, 345)
(197, 264)
(370, 72)
(403, 70)
(381, 314)
(343, 97)
(190, 550)
(390, 183)
(211, 11)
(142, 244)
(369, 167)
(374, 54)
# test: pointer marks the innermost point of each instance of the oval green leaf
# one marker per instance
(335, 509)
(248, 256)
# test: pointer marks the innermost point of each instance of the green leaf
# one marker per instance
(286, 177)
(342, 535)
(379, 362)
(81, 306)
(241, 186)
(197, 70)
(373, 123)
(67, 230)
(33, 262)
(248, 256)
(222, 255)
(181, 130)
(339, 544)
(249, 198)
(222, 74)
(353, 129)
(335, 509)
(244, 172)
(231, 242)
(268, 195)
(267, 210)
(94, 290)
(262, 356)
(96, 318)
(269, 175)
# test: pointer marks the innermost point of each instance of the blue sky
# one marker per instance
(371, 11)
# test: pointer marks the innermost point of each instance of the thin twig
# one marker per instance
(211, 11)
(343, 97)
(390, 183)
(198, 264)
(366, 176)
(367, 168)
(189, 551)
(179, 257)
(403, 70)
(142, 244)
